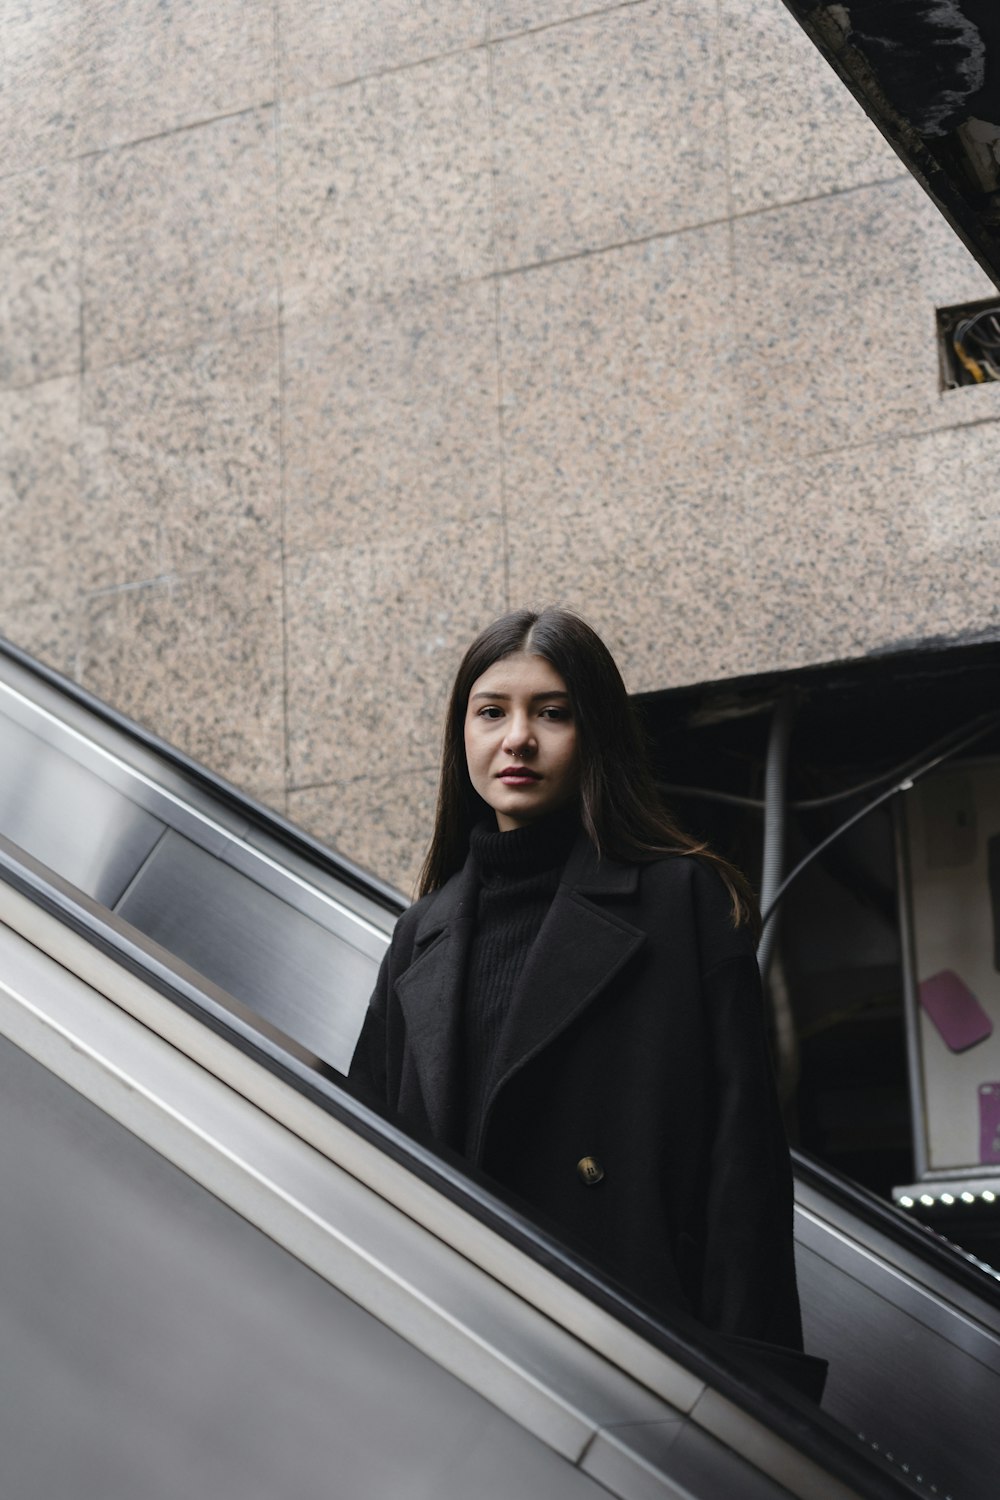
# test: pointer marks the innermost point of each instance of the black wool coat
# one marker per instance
(635, 1037)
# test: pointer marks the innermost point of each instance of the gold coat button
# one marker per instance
(590, 1170)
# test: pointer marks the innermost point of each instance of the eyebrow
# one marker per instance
(535, 697)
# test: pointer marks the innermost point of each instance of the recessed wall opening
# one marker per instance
(886, 954)
(969, 341)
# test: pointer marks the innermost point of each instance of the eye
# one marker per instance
(489, 711)
(553, 711)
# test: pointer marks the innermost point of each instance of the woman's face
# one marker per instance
(520, 740)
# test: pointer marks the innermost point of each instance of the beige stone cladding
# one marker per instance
(330, 331)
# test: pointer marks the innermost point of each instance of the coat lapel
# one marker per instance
(580, 948)
(430, 996)
(583, 943)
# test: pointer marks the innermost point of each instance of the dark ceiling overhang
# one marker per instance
(852, 718)
(928, 73)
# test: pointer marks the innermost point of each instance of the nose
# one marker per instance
(519, 740)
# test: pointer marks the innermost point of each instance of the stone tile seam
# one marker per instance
(726, 131)
(695, 228)
(214, 566)
(563, 21)
(487, 43)
(174, 578)
(93, 152)
(497, 330)
(286, 718)
(388, 776)
(76, 609)
(753, 627)
(887, 439)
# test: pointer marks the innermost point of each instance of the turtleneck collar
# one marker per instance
(537, 846)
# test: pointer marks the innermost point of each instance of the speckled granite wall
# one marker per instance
(328, 332)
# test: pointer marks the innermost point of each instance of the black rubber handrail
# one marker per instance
(919, 1239)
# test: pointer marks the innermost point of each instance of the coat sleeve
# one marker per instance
(367, 1073)
(749, 1286)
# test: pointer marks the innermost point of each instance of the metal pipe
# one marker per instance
(775, 812)
(775, 818)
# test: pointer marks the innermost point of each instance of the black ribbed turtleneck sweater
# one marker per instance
(519, 873)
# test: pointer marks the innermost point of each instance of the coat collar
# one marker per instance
(455, 901)
(587, 872)
(582, 945)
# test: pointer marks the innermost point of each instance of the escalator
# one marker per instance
(223, 1275)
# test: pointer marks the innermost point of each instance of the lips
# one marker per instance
(518, 776)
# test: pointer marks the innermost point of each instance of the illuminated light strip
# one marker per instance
(905, 1201)
(948, 1200)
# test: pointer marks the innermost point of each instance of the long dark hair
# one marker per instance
(620, 806)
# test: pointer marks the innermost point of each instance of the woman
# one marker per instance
(574, 1002)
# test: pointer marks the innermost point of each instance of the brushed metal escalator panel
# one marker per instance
(69, 819)
(912, 1389)
(313, 984)
(157, 1344)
